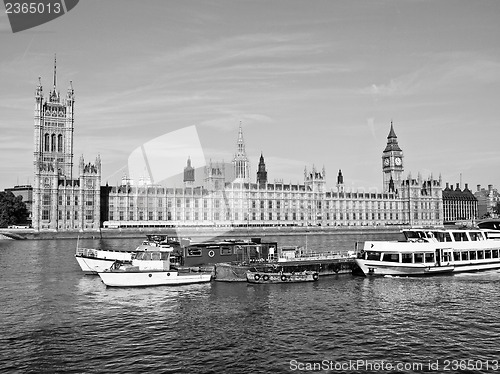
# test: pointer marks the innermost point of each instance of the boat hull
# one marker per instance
(262, 278)
(93, 261)
(150, 278)
(379, 268)
(92, 265)
(231, 272)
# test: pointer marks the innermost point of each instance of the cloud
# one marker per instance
(442, 71)
(406, 84)
(229, 122)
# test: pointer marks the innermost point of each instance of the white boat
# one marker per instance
(93, 261)
(150, 268)
(428, 252)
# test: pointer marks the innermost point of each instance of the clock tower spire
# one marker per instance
(392, 163)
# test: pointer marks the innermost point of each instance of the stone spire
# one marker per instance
(240, 161)
(392, 141)
(54, 96)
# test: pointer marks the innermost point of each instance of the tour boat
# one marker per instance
(428, 252)
(93, 261)
(281, 277)
(150, 268)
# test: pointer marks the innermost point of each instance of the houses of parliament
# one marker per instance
(64, 201)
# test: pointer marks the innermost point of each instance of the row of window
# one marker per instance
(52, 143)
(46, 200)
(222, 251)
(89, 215)
(196, 216)
(429, 257)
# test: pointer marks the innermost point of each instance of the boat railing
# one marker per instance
(86, 252)
(310, 255)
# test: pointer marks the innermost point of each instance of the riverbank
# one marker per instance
(358, 233)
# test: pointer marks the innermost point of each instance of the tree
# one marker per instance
(496, 208)
(13, 210)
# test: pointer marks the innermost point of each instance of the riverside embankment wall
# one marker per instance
(355, 233)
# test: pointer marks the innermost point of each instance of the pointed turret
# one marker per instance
(340, 181)
(55, 73)
(392, 141)
(340, 177)
(261, 172)
(188, 174)
(54, 96)
(240, 161)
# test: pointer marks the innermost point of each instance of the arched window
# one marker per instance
(46, 143)
(59, 143)
(53, 143)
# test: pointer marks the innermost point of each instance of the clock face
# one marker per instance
(386, 161)
(398, 161)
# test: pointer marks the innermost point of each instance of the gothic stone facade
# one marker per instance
(61, 202)
(217, 202)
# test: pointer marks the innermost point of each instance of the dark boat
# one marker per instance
(229, 250)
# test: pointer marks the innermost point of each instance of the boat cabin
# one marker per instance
(153, 260)
(288, 253)
(414, 235)
(435, 247)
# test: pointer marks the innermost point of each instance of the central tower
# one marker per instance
(392, 163)
(54, 121)
(240, 160)
(61, 201)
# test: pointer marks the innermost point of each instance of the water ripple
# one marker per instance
(56, 320)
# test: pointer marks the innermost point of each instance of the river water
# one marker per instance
(54, 319)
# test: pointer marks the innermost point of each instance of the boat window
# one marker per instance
(474, 236)
(429, 257)
(487, 253)
(419, 258)
(238, 250)
(156, 256)
(460, 236)
(194, 252)
(446, 257)
(374, 256)
(472, 255)
(465, 256)
(406, 258)
(440, 236)
(494, 253)
(225, 251)
(456, 256)
(390, 257)
(144, 256)
(414, 234)
(447, 237)
(165, 256)
(480, 255)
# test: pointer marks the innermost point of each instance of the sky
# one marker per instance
(312, 82)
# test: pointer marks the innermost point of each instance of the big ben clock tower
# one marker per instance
(392, 163)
